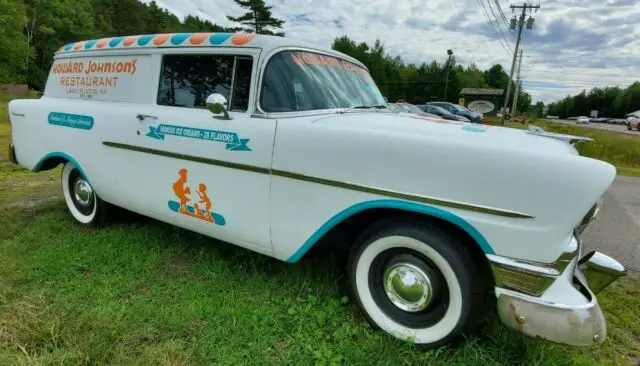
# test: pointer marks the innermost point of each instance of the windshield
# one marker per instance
(395, 108)
(409, 108)
(436, 109)
(461, 108)
(305, 81)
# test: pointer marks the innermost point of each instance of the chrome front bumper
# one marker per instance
(568, 311)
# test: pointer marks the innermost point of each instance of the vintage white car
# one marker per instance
(273, 145)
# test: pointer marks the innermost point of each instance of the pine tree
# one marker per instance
(258, 19)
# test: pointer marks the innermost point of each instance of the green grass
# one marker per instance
(143, 292)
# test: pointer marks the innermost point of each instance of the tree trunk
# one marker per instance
(255, 19)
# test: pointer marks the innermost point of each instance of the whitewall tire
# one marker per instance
(82, 201)
(416, 282)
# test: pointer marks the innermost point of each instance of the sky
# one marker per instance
(574, 44)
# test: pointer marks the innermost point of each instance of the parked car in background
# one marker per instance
(551, 117)
(459, 110)
(582, 120)
(277, 144)
(633, 122)
(442, 113)
(413, 109)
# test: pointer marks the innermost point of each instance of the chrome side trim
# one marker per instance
(329, 182)
(197, 159)
(403, 196)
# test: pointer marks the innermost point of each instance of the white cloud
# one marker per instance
(578, 44)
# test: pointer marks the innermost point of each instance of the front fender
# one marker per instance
(502, 169)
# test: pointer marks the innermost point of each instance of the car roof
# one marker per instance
(170, 40)
(436, 106)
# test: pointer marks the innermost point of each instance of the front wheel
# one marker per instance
(417, 282)
(82, 201)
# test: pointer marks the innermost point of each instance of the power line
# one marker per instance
(495, 23)
(504, 18)
(484, 9)
(575, 73)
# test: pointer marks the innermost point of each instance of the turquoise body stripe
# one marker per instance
(59, 154)
(393, 204)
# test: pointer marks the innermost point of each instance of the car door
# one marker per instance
(435, 111)
(199, 170)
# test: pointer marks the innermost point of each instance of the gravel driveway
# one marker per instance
(616, 230)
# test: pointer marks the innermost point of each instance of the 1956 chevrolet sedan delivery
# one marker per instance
(272, 145)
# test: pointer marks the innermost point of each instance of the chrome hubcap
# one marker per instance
(408, 287)
(83, 192)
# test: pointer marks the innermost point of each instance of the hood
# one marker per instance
(458, 132)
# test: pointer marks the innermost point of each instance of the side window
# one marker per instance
(187, 80)
(241, 84)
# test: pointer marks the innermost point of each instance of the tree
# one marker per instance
(14, 48)
(258, 19)
(52, 27)
(496, 78)
(538, 109)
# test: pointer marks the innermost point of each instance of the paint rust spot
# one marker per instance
(514, 313)
(575, 323)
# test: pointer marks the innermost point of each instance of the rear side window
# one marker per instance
(187, 80)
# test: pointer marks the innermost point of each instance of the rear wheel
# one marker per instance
(417, 282)
(82, 201)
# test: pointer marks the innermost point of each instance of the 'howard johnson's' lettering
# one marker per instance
(127, 67)
(92, 68)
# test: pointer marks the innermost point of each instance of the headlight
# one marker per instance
(586, 220)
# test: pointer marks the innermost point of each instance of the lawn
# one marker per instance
(144, 292)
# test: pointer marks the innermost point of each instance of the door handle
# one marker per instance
(142, 117)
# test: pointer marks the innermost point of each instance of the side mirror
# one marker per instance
(217, 104)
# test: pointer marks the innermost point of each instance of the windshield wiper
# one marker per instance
(379, 106)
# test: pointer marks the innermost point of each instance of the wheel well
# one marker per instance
(342, 236)
(50, 163)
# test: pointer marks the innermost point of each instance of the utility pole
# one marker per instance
(517, 92)
(446, 83)
(520, 24)
(515, 97)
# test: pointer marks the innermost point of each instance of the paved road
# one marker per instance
(616, 230)
(598, 126)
